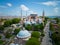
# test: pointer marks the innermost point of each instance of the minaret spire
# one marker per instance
(26, 13)
(43, 17)
(21, 20)
(43, 14)
(21, 13)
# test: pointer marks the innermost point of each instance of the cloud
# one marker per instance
(6, 6)
(9, 4)
(56, 10)
(50, 3)
(24, 8)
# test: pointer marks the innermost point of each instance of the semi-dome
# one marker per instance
(27, 22)
(40, 20)
(33, 22)
(23, 34)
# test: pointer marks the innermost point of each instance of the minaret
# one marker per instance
(21, 19)
(26, 13)
(43, 14)
(21, 13)
(43, 17)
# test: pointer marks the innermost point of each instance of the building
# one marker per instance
(23, 34)
(21, 37)
(43, 17)
(34, 19)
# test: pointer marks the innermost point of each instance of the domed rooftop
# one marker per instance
(40, 20)
(23, 34)
(33, 22)
(27, 22)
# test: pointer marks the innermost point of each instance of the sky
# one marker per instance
(14, 7)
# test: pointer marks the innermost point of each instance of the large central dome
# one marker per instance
(23, 34)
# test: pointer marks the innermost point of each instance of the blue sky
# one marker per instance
(13, 7)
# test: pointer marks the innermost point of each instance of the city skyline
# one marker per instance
(13, 7)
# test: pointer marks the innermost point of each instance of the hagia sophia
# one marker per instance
(24, 34)
(33, 19)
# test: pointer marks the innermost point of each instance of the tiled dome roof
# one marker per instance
(23, 34)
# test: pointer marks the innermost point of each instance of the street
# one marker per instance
(46, 39)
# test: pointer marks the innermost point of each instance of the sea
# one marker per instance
(53, 16)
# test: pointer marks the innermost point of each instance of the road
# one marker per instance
(46, 39)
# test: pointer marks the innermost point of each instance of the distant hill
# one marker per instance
(9, 17)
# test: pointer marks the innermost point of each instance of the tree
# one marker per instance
(28, 27)
(1, 41)
(46, 18)
(33, 41)
(16, 31)
(35, 34)
(38, 27)
(51, 27)
(0, 36)
(42, 34)
(41, 26)
(8, 35)
(1, 28)
(57, 20)
(7, 23)
(56, 38)
(15, 20)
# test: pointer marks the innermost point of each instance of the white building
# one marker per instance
(24, 34)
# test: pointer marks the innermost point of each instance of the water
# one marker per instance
(53, 16)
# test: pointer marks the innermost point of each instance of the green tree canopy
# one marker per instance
(51, 27)
(0, 36)
(8, 35)
(35, 34)
(57, 20)
(33, 41)
(16, 31)
(28, 27)
(1, 28)
(1, 41)
(15, 20)
(56, 38)
(7, 23)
